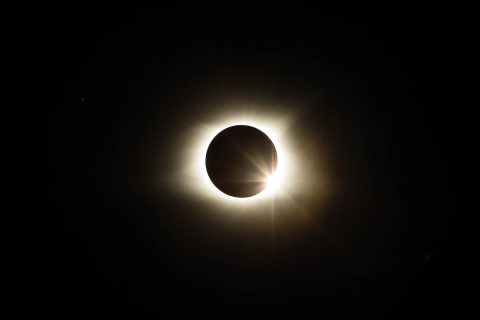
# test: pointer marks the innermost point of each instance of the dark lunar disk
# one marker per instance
(239, 159)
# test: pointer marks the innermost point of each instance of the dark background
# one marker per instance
(116, 78)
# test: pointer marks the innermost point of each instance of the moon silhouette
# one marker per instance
(239, 161)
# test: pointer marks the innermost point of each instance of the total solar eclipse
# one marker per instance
(239, 161)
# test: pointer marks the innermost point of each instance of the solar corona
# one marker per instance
(240, 160)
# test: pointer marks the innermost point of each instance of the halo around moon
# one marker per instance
(240, 160)
(297, 181)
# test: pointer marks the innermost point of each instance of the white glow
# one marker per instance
(293, 178)
(195, 173)
(273, 183)
(273, 133)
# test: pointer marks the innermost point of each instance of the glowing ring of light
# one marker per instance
(196, 173)
(280, 172)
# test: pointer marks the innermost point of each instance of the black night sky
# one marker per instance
(372, 88)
